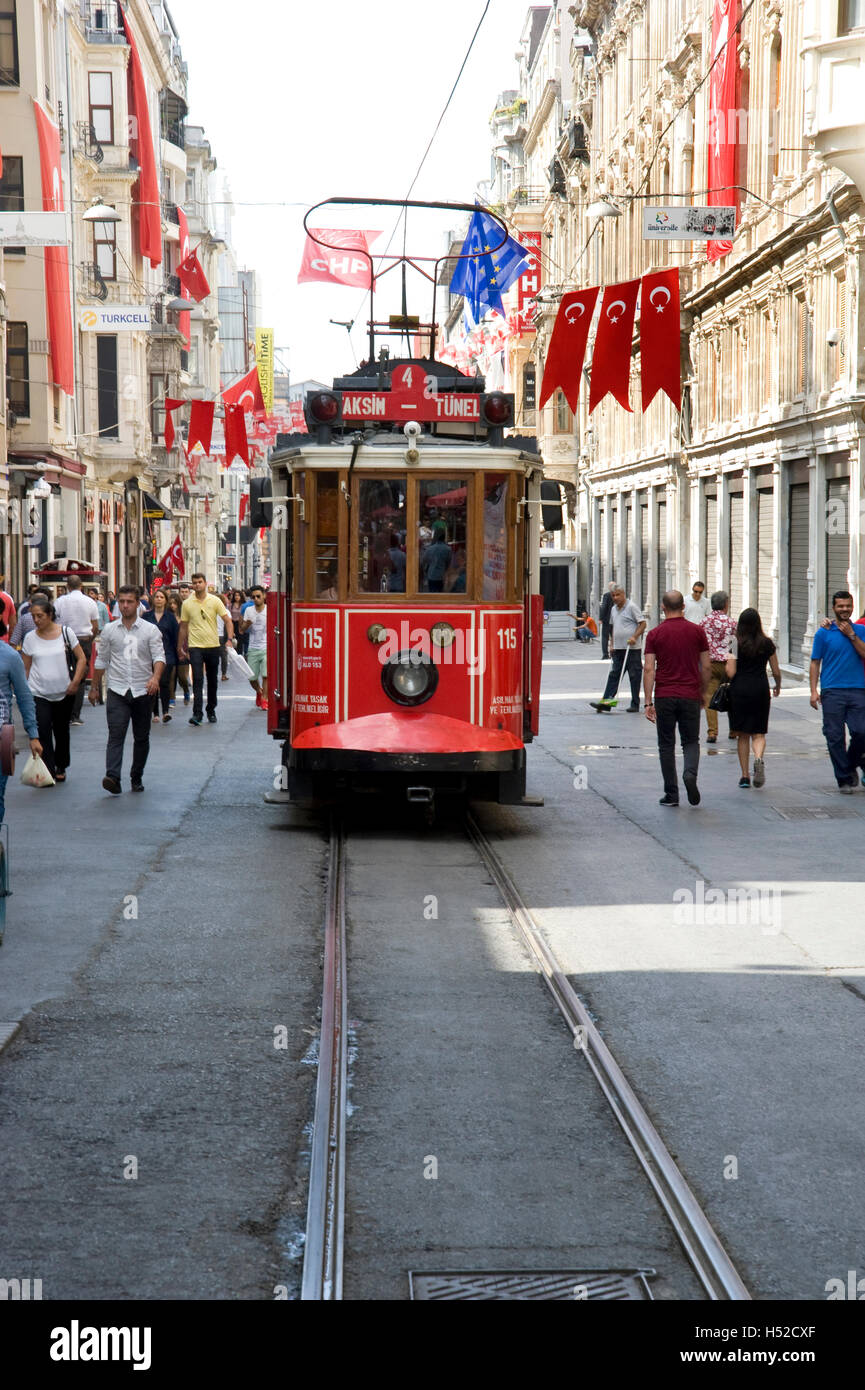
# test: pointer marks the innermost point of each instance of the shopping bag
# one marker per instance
(236, 661)
(36, 774)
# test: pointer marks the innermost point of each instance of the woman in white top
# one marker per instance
(45, 661)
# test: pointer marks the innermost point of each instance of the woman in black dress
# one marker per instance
(749, 692)
(162, 616)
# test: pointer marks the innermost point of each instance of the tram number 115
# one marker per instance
(508, 638)
(311, 638)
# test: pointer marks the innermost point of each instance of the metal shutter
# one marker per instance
(837, 540)
(737, 551)
(629, 550)
(615, 574)
(644, 554)
(662, 552)
(605, 559)
(798, 569)
(711, 544)
(765, 547)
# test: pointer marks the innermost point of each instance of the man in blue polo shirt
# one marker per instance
(837, 661)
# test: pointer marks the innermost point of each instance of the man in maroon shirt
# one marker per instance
(676, 674)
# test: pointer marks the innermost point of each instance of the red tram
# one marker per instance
(405, 625)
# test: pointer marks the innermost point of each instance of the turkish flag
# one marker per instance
(192, 466)
(246, 392)
(170, 404)
(660, 359)
(236, 445)
(567, 349)
(334, 262)
(723, 133)
(182, 253)
(192, 277)
(145, 196)
(243, 508)
(200, 425)
(57, 296)
(611, 359)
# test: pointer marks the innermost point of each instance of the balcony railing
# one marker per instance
(173, 286)
(87, 144)
(170, 213)
(102, 21)
(174, 132)
(524, 196)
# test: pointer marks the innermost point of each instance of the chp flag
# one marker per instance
(660, 358)
(564, 362)
(343, 260)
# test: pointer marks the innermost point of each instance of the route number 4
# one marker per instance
(508, 638)
(311, 637)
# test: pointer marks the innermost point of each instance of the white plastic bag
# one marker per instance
(236, 661)
(36, 774)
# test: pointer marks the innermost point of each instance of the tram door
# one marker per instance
(559, 593)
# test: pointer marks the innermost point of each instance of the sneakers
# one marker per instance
(759, 772)
(196, 720)
(111, 784)
(185, 698)
(633, 709)
(78, 722)
(669, 801)
(166, 718)
(138, 786)
(600, 706)
(211, 718)
(847, 788)
(690, 781)
(746, 782)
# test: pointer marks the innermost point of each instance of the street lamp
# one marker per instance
(601, 207)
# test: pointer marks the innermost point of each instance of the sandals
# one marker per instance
(60, 777)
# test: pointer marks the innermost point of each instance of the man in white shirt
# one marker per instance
(254, 621)
(77, 610)
(628, 626)
(133, 654)
(697, 606)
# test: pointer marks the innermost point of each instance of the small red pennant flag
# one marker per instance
(236, 445)
(244, 507)
(567, 349)
(611, 359)
(246, 392)
(660, 355)
(200, 425)
(192, 277)
(192, 467)
(170, 404)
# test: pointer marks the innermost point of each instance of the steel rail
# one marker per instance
(325, 1215)
(699, 1241)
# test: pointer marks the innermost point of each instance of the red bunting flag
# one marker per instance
(660, 359)
(147, 208)
(567, 349)
(192, 467)
(335, 262)
(57, 296)
(200, 426)
(170, 404)
(182, 253)
(192, 277)
(724, 104)
(611, 359)
(246, 392)
(236, 445)
(243, 508)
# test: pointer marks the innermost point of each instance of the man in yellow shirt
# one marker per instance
(198, 643)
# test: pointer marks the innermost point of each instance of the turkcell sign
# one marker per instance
(386, 405)
(115, 318)
(689, 224)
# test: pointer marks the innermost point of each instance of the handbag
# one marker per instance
(720, 701)
(70, 656)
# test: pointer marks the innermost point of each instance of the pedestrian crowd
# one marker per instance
(135, 650)
(699, 658)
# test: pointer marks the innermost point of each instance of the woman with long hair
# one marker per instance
(46, 663)
(161, 615)
(750, 699)
(180, 671)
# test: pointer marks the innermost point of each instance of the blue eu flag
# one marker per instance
(486, 272)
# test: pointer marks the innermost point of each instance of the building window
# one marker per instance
(851, 15)
(8, 45)
(12, 193)
(564, 419)
(17, 368)
(158, 390)
(101, 106)
(105, 249)
(106, 380)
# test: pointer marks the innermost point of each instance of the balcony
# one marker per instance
(102, 21)
(834, 112)
(527, 196)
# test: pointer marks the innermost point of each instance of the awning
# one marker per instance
(154, 510)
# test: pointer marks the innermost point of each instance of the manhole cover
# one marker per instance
(814, 812)
(559, 1285)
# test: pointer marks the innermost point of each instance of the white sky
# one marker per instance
(304, 101)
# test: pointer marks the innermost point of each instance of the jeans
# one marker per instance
(672, 710)
(203, 659)
(86, 644)
(122, 708)
(52, 720)
(635, 672)
(840, 707)
(719, 674)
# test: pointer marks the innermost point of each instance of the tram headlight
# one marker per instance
(409, 678)
(442, 634)
(323, 408)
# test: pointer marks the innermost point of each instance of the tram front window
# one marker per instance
(326, 539)
(442, 535)
(495, 537)
(381, 540)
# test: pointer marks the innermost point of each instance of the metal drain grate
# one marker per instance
(815, 812)
(558, 1285)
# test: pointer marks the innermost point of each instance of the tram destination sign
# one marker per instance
(688, 223)
(413, 396)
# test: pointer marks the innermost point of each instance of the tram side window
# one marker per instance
(298, 488)
(381, 539)
(326, 538)
(442, 535)
(495, 537)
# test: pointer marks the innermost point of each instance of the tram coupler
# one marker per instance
(420, 796)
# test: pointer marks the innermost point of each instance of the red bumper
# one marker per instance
(408, 731)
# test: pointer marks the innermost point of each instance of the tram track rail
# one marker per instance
(324, 1244)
